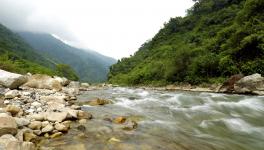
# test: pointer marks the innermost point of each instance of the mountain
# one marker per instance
(17, 56)
(89, 65)
(216, 39)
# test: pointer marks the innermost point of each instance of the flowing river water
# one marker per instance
(169, 120)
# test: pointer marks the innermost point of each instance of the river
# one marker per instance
(170, 120)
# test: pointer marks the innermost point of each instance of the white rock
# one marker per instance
(37, 117)
(6, 102)
(36, 104)
(11, 80)
(22, 122)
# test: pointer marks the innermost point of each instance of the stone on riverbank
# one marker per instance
(7, 124)
(249, 84)
(11, 80)
(43, 82)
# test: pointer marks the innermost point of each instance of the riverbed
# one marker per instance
(169, 120)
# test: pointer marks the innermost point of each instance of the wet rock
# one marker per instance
(249, 84)
(12, 94)
(22, 121)
(119, 120)
(43, 82)
(9, 142)
(130, 125)
(82, 121)
(84, 115)
(67, 123)
(12, 109)
(7, 124)
(55, 135)
(72, 147)
(35, 125)
(61, 127)
(113, 139)
(56, 116)
(98, 102)
(11, 80)
(71, 113)
(228, 85)
(47, 129)
(81, 128)
(29, 137)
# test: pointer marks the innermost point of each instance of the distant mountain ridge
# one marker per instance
(18, 56)
(89, 65)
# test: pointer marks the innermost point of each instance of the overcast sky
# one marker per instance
(114, 28)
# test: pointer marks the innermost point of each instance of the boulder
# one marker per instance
(40, 81)
(63, 81)
(11, 80)
(228, 85)
(37, 117)
(84, 115)
(250, 84)
(119, 120)
(35, 125)
(85, 85)
(57, 99)
(98, 102)
(61, 127)
(12, 109)
(12, 94)
(47, 129)
(8, 124)
(56, 116)
(22, 122)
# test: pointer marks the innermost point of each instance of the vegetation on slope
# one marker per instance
(89, 65)
(17, 56)
(216, 39)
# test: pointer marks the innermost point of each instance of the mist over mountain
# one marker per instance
(89, 65)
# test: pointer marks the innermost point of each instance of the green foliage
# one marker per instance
(217, 38)
(90, 66)
(64, 70)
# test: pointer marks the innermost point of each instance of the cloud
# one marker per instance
(115, 28)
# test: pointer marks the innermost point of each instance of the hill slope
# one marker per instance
(89, 65)
(17, 56)
(215, 40)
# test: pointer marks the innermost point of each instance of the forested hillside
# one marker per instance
(216, 39)
(18, 56)
(89, 65)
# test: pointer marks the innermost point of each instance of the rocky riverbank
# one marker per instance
(36, 107)
(236, 84)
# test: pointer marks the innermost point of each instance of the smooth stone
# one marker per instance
(11, 94)
(61, 127)
(35, 125)
(8, 124)
(37, 117)
(12, 109)
(36, 104)
(47, 129)
(56, 116)
(22, 121)
(11, 80)
(83, 121)
(55, 135)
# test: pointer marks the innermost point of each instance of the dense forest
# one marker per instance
(19, 57)
(216, 39)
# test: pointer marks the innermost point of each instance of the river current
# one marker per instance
(172, 120)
